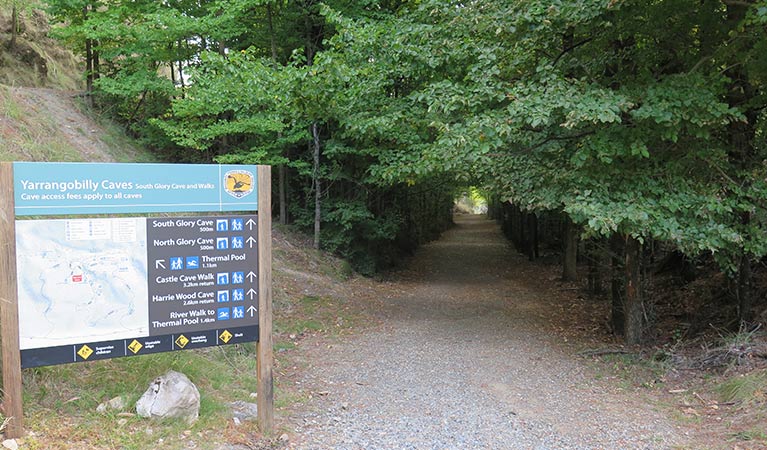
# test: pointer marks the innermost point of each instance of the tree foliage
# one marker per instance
(641, 119)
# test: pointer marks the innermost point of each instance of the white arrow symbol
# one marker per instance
(251, 293)
(251, 241)
(251, 276)
(252, 310)
(250, 223)
(159, 263)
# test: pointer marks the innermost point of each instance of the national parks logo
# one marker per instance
(238, 183)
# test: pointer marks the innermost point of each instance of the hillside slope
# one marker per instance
(42, 115)
(43, 124)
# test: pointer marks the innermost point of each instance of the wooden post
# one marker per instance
(9, 307)
(264, 346)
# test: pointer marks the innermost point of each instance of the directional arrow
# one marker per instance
(159, 263)
(250, 223)
(250, 241)
(251, 276)
(252, 310)
(252, 293)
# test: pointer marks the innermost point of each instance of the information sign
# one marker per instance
(83, 289)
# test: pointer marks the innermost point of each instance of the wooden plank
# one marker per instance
(9, 307)
(264, 346)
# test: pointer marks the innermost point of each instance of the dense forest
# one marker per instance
(628, 125)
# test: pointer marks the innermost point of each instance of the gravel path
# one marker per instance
(463, 361)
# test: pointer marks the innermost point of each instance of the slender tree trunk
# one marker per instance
(14, 26)
(89, 65)
(634, 308)
(270, 25)
(282, 170)
(532, 227)
(743, 153)
(570, 257)
(172, 72)
(617, 316)
(317, 185)
(744, 289)
(96, 64)
(595, 253)
(282, 175)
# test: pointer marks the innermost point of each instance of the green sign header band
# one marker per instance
(111, 188)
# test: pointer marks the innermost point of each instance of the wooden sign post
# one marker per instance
(9, 308)
(241, 251)
(264, 346)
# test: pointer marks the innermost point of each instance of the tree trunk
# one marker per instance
(95, 61)
(282, 170)
(570, 257)
(595, 267)
(744, 290)
(14, 26)
(634, 308)
(172, 71)
(317, 185)
(89, 70)
(617, 316)
(743, 153)
(532, 227)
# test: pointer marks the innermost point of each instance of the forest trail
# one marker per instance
(465, 359)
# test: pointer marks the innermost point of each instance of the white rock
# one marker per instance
(10, 444)
(170, 396)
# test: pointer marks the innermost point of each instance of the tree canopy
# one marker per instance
(641, 119)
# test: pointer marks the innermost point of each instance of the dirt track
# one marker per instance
(465, 359)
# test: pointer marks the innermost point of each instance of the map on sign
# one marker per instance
(81, 280)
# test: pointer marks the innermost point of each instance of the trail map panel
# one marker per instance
(81, 280)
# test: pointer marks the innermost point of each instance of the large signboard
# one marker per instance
(119, 283)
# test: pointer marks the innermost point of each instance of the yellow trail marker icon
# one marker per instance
(135, 346)
(225, 336)
(181, 341)
(85, 352)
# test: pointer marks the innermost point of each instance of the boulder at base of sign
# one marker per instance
(170, 396)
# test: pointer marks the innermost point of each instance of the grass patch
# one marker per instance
(121, 147)
(312, 314)
(61, 401)
(747, 388)
(753, 434)
(11, 108)
(631, 370)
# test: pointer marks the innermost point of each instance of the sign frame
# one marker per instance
(9, 306)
